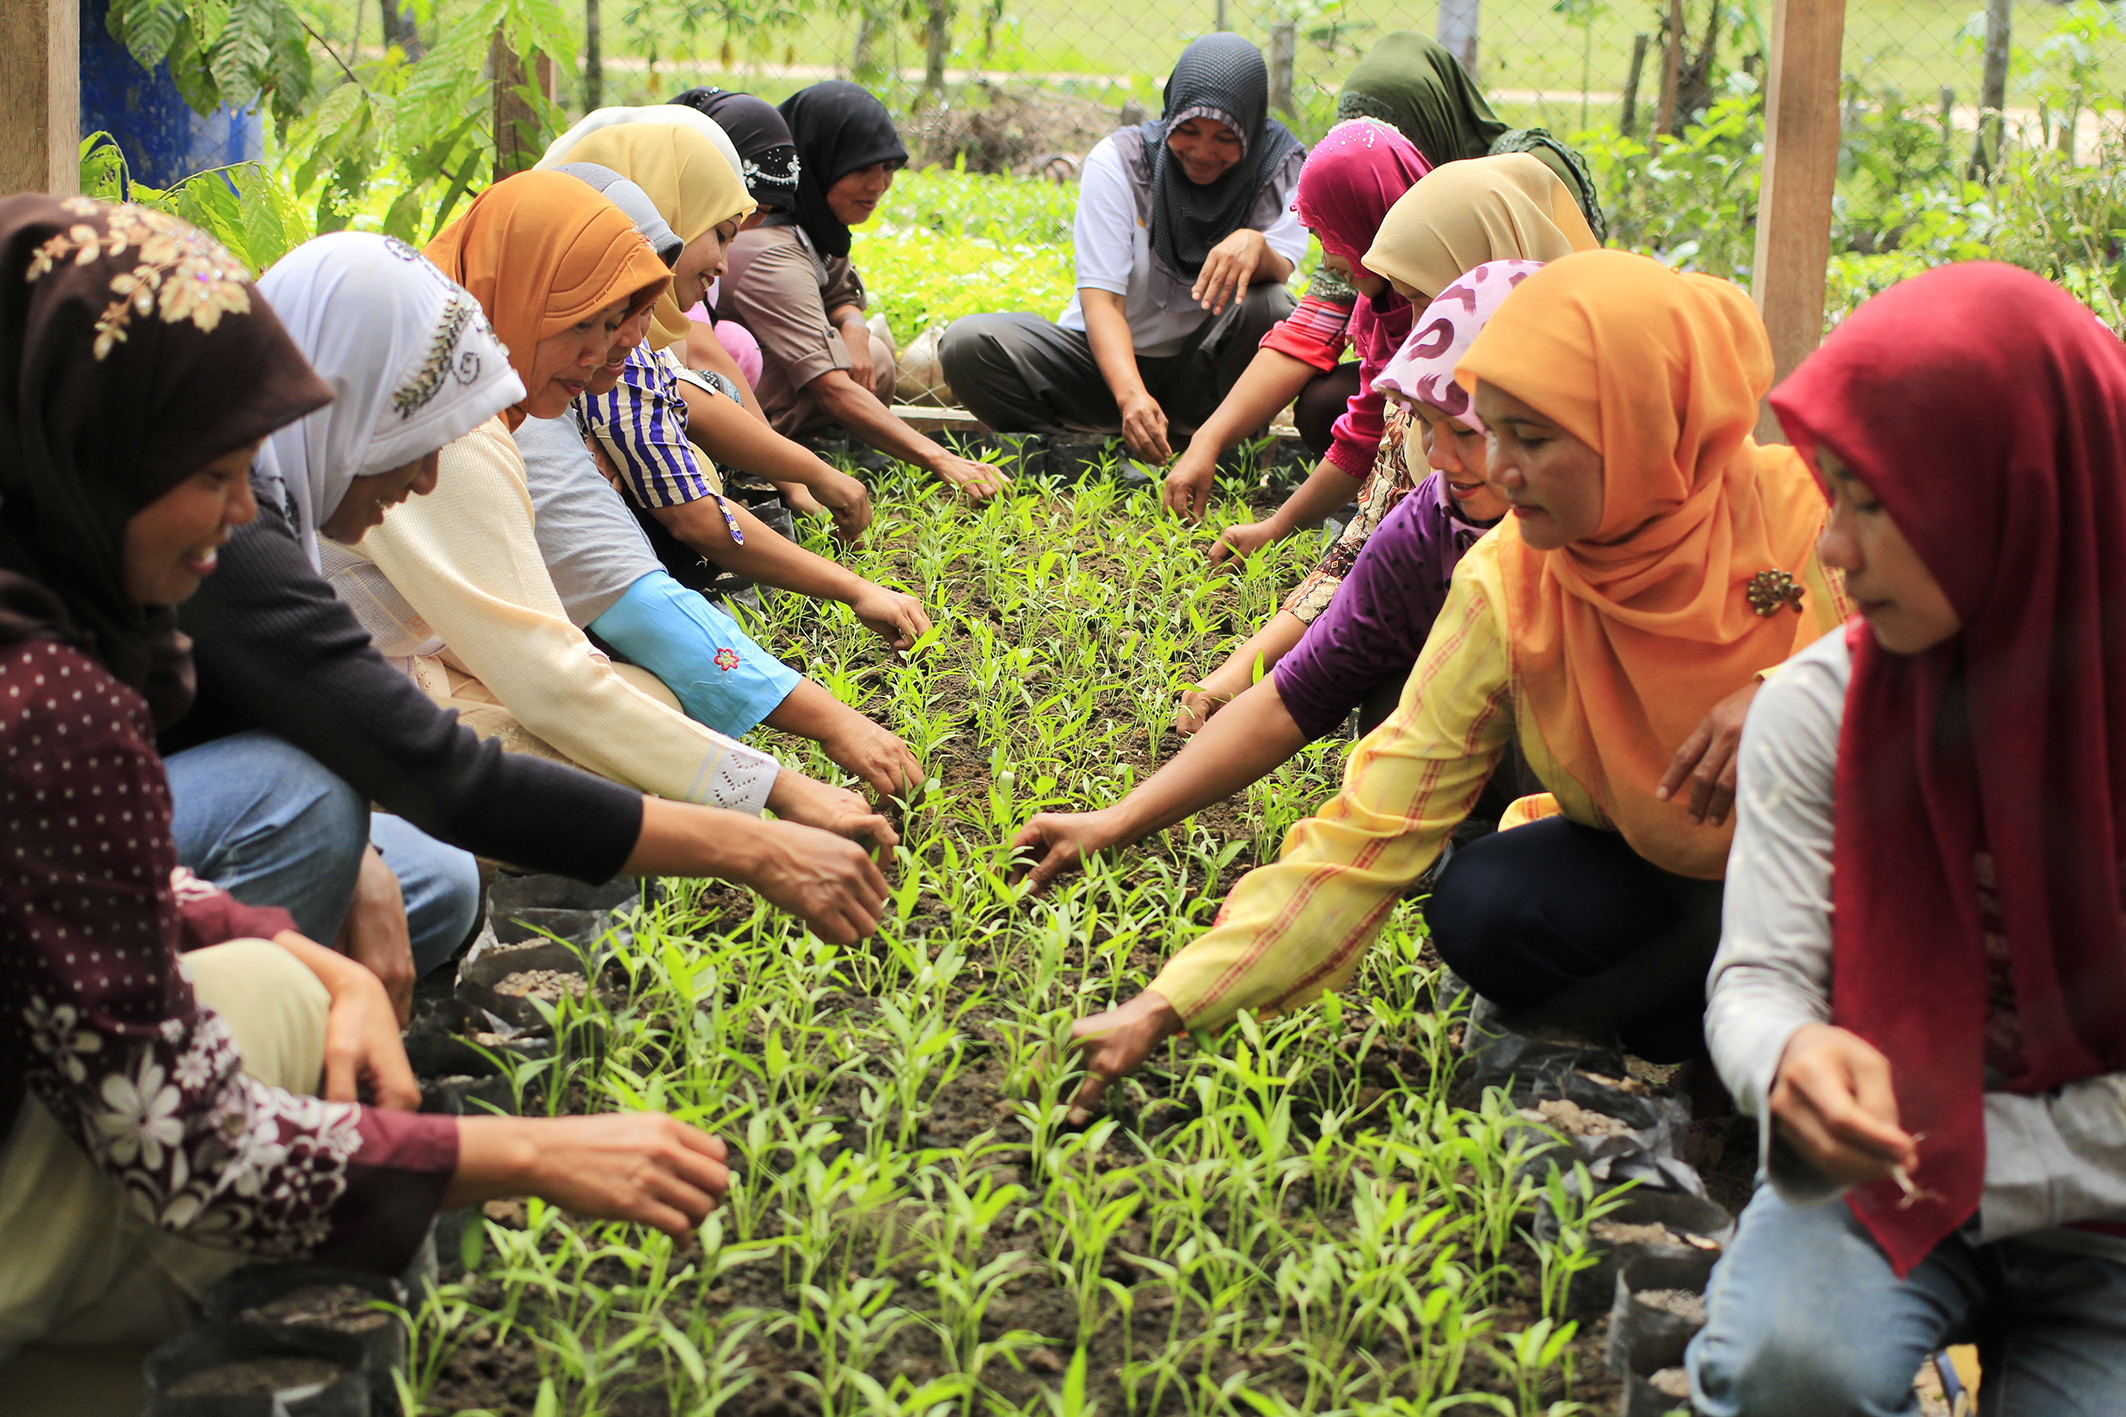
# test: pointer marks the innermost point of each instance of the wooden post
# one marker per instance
(1993, 86)
(1671, 69)
(1800, 170)
(517, 144)
(1630, 119)
(1284, 57)
(1459, 22)
(593, 58)
(40, 92)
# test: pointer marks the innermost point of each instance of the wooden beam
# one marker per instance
(40, 94)
(1801, 113)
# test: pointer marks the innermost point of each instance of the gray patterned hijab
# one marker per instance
(1220, 77)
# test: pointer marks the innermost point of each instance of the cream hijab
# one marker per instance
(410, 357)
(1462, 214)
(677, 115)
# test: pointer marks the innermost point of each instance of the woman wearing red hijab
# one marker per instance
(1921, 984)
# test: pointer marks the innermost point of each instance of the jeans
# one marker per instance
(1806, 1319)
(272, 826)
(1557, 923)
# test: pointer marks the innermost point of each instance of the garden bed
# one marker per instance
(1316, 1213)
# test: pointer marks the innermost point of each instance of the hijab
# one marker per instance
(542, 252)
(2000, 459)
(767, 153)
(838, 129)
(563, 148)
(134, 351)
(1415, 85)
(409, 356)
(635, 202)
(1350, 180)
(693, 188)
(1220, 77)
(1422, 371)
(1466, 213)
(1624, 640)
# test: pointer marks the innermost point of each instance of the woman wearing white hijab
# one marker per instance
(412, 365)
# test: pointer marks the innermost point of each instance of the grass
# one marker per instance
(1307, 1215)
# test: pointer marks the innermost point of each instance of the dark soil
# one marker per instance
(254, 1376)
(342, 1308)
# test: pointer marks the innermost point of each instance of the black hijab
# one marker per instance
(123, 374)
(1221, 76)
(766, 150)
(839, 129)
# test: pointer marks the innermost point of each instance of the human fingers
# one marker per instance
(391, 1080)
(1838, 1095)
(1685, 760)
(1716, 763)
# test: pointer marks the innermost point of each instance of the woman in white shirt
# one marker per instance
(1184, 237)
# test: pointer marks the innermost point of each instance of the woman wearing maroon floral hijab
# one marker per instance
(159, 1042)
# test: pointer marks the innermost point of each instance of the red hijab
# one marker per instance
(1986, 410)
(1351, 179)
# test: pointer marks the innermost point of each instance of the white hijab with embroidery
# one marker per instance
(409, 355)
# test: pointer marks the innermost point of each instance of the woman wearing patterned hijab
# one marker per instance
(767, 154)
(1183, 239)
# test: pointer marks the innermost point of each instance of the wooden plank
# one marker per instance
(40, 93)
(1801, 114)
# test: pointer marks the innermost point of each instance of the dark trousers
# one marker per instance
(1020, 373)
(1562, 924)
(1321, 403)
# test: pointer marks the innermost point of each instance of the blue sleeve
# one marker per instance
(723, 679)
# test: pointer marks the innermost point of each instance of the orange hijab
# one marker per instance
(567, 251)
(1623, 641)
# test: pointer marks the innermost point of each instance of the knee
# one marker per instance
(275, 1009)
(1782, 1360)
(1475, 904)
(451, 910)
(965, 346)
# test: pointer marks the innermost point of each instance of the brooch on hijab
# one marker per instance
(1773, 591)
(179, 272)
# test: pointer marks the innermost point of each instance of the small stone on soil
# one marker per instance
(1671, 1382)
(544, 984)
(255, 1376)
(343, 1308)
(1680, 1302)
(1617, 1233)
(1577, 1121)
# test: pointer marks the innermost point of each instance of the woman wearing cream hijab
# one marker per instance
(455, 583)
(1656, 562)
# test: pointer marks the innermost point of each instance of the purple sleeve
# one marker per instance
(1378, 621)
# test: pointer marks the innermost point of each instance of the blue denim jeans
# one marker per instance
(271, 825)
(1806, 1319)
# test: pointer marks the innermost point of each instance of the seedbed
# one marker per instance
(1307, 1214)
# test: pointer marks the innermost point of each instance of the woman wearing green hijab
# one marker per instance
(1412, 83)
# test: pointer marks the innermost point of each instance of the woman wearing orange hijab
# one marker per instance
(1656, 562)
(454, 584)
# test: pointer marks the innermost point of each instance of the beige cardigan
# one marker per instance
(457, 574)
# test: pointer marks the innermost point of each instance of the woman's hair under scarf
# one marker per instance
(767, 153)
(1423, 369)
(1411, 82)
(839, 128)
(1220, 77)
(563, 148)
(411, 360)
(1466, 213)
(1350, 180)
(1624, 640)
(694, 189)
(542, 252)
(1985, 410)
(632, 200)
(134, 351)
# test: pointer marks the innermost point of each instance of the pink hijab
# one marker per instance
(1350, 180)
(1422, 371)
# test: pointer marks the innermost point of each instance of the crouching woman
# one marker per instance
(1921, 983)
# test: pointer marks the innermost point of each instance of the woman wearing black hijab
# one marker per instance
(1184, 237)
(789, 280)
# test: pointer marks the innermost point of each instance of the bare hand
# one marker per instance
(976, 481)
(822, 879)
(1056, 843)
(375, 933)
(1144, 427)
(857, 339)
(1707, 758)
(1833, 1102)
(1197, 706)
(803, 800)
(639, 1166)
(1237, 543)
(1187, 492)
(1229, 269)
(799, 499)
(896, 618)
(1113, 1045)
(362, 1045)
(848, 502)
(875, 755)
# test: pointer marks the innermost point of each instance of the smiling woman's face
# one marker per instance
(1456, 452)
(855, 196)
(368, 498)
(1552, 480)
(563, 364)
(1902, 602)
(701, 262)
(1207, 149)
(172, 543)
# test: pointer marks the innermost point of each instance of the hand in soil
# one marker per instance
(895, 618)
(807, 802)
(1144, 427)
(1237, 543)
(1114, 1043)
(1188, 486)
(1707, 759)
(848, 502)
(975, 481)
(1834, 1104)
(1056, 844)
(825, 881)
(877, 756)
(639, 1166)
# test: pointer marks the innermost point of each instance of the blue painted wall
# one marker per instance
(161, 137)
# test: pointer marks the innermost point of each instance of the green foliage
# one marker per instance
(1688, 199)
(953, 243)
(244, 207)
(234, 52)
